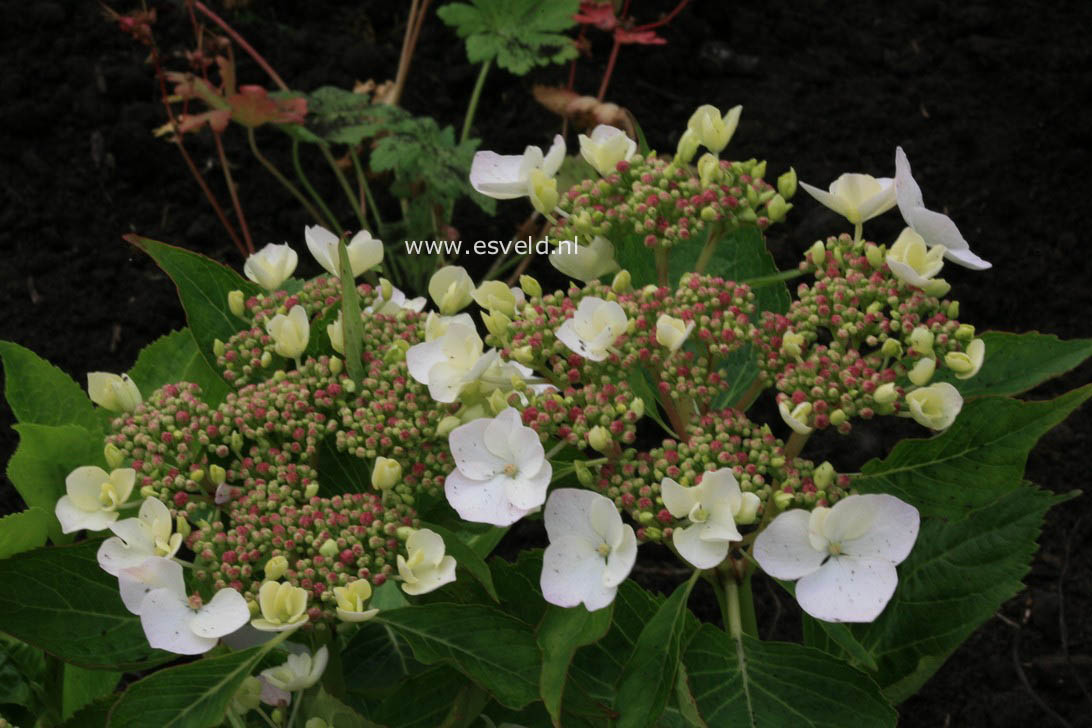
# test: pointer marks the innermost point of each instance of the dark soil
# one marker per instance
(988, 100)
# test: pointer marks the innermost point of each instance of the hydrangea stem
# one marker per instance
(474, 97)
(335, 226)
(366, 191)
(353, 202)
(795, 445)
(272, 169)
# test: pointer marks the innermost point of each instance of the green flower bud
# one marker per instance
(687, 147)
(818, 252)
(275, 568)
(921, 341)
(236, 303)
(446, 425)
(953, 310)
(786, 184)
(197, 475)
(783, 500)
(328, 548)
(236, 441)
(497, 324)
(530, 287)
(498, 402)
(838, 417)
(875, 255)
(708, 169)
(311, 491)
(148, 491)
(267, 359)
(218, 347)
(892, 348)
(965, 332)
(544, 194)
(885, 393)
(622, 282)
(637, 407)
(386, 474)
(114, 456)
(777, 208)
(937, 287)
(182, 526)
(583, 474)
(823, 475)
(599, 438)
(336, 365)
(708, 214)
(523, 354)
(645, 518)
(759, 170)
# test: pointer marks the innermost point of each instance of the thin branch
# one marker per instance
(262, 63)
(234, 192)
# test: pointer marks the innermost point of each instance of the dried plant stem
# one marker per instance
(234, 192)
(262, 63)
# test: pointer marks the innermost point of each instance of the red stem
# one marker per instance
(665, 19)
(233, 191)
(262, 63)
(610, 69)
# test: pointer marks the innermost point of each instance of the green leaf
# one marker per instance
(639, 382)
(341, 472)
(351, 326)
(40, 393)
(82, 687)
(377, 659)
(466, 558)
(975, 461)
(23, 531)
(747, 682)
(388, 595)
(333, 711)
(203, 286)
(1017, 362)
(956, 578)
(92, 715)
(649, 675)
(44, 458)
(519, 35)
(559, 635)
(22, 674)
(495, 650)
(194, 695)
(175, 358)
(436, 698)
(343, 117)
(833, 637)
(69, 607)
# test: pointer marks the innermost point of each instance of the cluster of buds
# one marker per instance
(859, 340)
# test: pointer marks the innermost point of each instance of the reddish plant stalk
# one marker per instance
(610, 69)
(262, 63)
(234, 193)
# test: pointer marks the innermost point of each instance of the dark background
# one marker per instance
(990, 101)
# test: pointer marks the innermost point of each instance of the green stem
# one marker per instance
(355, 203)
(662, 271)
(734, 622)
(858, 231)
(707, 251)
(335, 225)
(748, 397)
(272, 169)
(234, 719)
(795, 445)
(266, 718)
(747, 607)
(474, 97)
(297, 700)
(362, 180)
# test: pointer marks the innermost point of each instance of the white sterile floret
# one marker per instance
(672, 332)
(92, 497)
(290, 333)
(156, 591)
(935, 228)
(591, 551)
(137, 539)
(912, 262)
(796, 417)
(585, 263)
(352, 601)
(594, 328)
(436, 325)
(966, 364)
(844, 557)
(365, 252)
(114, 392)
(856, 197)
(451, 289)
(391, 300)
(271, 266)
(299, 672)
(450, 363)
(283, 606)
(427, 568)
(505, 177)
(606, 147)
(712, 509)
(935, 406)
(711, 129)
(501, 471)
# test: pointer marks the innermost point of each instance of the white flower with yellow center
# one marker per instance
(912, 262)
(391, 301)
(172, 621)
(935, 406)
(856, 197)
(137, 539)
(451, 363)
(436, 325)
(352, 601)
(966, 364)
(496, 296)
(92, 497)
(451, 288)
(672, 332)
(283, 606)
(114, 392)
(606, 147)
(591, 551)
(299, 672)
(290, 333)
(427, 567)
(365, 252)
(844, 557)
(713, 509)
(505, 177)
(271, 266)
(501, 471)
(935, 228)
(594, 328)
(585, 263)
(711, 129)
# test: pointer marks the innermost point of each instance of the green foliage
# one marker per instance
(747, 682)
(974, 462)
(343, 117)
(203, 286)
(44, 458)
(175, 358)
(559, 635)
(23, 531)
(377, 659)
(438, 697)
(68, 606)
(517, 34)
(40, 393)
(956, 578)
(351, 326)
(82, 687)
(320, 704)
(1017, 362)
(195, 695)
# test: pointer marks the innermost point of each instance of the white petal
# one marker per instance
(554, 158)
(481, 501)
(720, 490)
(323, 246)
(621, 559)
(572, 572)
(967, 259)
(473, 457)
(678, 499)
(847, 589)
(433, 579)
(784, 551)
(420, 359)
(907, 193)
(497, 175)
(83, 486)
(114, 555)
(881, 202)
(528, 492)
(156, 573)
(225, 613)
(566, 515)
(698, 552)
(824, 198)
(906, 273)
(166, 621)
(893, 527)
(74, 519)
